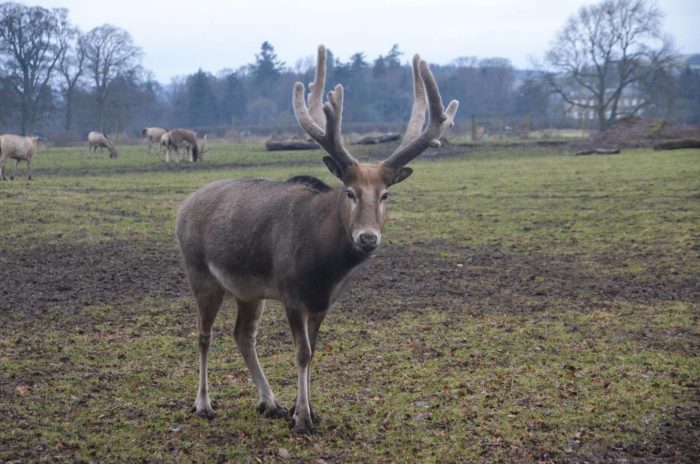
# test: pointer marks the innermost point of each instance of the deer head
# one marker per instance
(362, 200)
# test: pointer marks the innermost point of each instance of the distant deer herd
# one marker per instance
(294, 241)
(169, 143)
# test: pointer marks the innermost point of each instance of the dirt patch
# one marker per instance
(400, 278)
(455, 278)
(633, 131)
(76, 276)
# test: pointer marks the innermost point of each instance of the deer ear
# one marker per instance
(333, 167)
(402, 174)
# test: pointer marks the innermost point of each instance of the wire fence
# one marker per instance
(475, 128)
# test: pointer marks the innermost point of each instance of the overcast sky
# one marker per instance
(180, 37)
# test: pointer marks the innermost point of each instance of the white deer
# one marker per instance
(19, 149)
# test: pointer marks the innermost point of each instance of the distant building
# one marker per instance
(630, 103)
(691, 61)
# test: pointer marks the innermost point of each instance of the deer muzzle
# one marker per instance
(367, 240)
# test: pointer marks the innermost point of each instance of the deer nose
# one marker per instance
(367, 242)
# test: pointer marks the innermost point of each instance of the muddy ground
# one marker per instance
(430, 276)
(427, 275)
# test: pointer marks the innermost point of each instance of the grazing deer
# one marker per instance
(99, 140)
(153, 134)
(177, 139)
(296, 241)
(19, 149)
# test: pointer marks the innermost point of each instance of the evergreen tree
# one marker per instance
(202, 105)
(234, 100)
(267, 66)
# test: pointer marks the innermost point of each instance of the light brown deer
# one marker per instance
(153, 134)
(99, 140)
(19, 149)
(183, 139)
(296, 241)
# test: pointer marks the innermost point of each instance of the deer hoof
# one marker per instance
(272, 412)
(315, 418)
(301, 426)
(204, 413)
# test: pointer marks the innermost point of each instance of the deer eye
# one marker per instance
(384, 196)
(350, 194)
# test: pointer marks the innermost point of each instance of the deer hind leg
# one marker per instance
(209, 294)
(245, 332)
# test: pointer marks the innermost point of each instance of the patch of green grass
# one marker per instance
(594, 381)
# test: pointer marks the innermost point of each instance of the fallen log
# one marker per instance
(599, 151)
(677, 144)
(285, 145)
(383, 138)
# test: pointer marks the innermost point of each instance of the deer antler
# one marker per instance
(416, 142)
(204, 148)
(322, 121)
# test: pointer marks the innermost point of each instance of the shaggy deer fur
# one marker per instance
(19, 149)
(99, 140)
(177, 139)
(295, 241)
(153, 134)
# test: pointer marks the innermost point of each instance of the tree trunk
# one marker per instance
(677, 144)
(69, 111)
(599, 151)
(602, 121)
(25, 104)
(375, 139)
(291, 144)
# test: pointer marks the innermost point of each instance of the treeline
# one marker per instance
(57, 79)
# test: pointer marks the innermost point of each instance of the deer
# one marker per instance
(153, 134)
(19, 149)
(185, 139)
(296, 241)
(99, 140)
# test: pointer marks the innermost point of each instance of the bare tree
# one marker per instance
(30, 48)
(71, 67)
(605, 49)
(110, 52)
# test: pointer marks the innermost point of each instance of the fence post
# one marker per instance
(526, 127)
(473, 128)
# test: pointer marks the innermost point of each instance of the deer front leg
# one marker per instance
(314, 325)
(14, 172)
(298, 317)
(245, 332)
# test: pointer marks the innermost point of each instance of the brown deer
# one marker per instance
(185, 139)
(296, 241)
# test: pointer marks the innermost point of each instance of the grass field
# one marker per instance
(527, 306)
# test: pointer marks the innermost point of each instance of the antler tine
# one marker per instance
(420, 105)
(322, 120)
(440, 119)
(315, 97)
